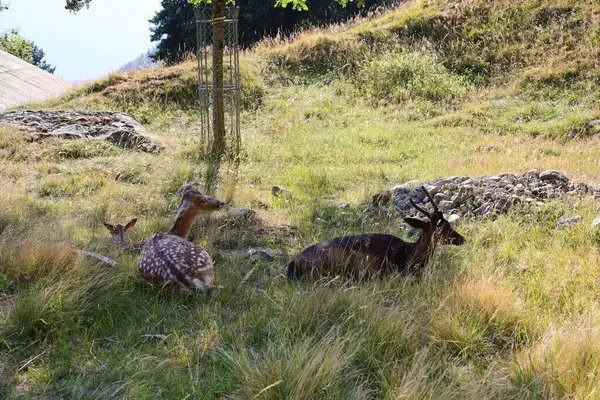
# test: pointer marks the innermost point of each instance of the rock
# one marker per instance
(441, 197)
(431, 189)
(382, 199)
(490, 195)
(264, 254)
(568, 221)
(593, 123)
(522, 268)
(279, 190)
(116, 128)
(596, 223)
(552, 176)
(412, 231)
(445, 205)
(342, 204)
(254, 253)
(242, 213)
(453, 218)
(401, 190)
(320, 222)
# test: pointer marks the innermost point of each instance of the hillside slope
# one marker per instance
(431, 89)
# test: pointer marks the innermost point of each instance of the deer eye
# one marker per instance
(202, 200)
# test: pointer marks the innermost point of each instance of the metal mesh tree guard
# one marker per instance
(231, 76)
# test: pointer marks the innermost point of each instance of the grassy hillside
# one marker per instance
(430, 89)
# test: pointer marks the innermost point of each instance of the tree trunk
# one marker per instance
(217, 85)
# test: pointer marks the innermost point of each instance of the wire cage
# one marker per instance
(231, 75)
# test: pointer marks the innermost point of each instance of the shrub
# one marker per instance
(411, 76)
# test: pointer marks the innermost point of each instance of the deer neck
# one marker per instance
(126, 245)
(121, 242)
(420, 251)
(183, 224)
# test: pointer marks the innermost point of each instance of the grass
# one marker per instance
(512, 314)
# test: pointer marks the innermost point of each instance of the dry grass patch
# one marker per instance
(565, 363)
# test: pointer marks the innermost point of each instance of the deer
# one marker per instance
(367, 255)
(169, 259)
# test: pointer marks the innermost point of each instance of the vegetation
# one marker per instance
(512, 314)
(12, 42)
(174, 26)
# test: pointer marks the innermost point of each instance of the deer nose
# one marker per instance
(221, 204)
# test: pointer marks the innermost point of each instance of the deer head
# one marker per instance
(437, 229)
(118, 232)
(193, 203)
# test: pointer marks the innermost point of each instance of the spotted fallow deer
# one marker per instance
(169, 259)
(368, 255)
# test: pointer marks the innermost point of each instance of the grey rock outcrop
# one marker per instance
(119, 129)
(490, 195)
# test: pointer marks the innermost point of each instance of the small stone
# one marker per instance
(446, 205)
(279, 190)
(596, 223)
(440, 197)
(320, 222)
(522, 268)
(382, 199)
(568, 221)
(242, 213)
(490, 149)
(401, 190)
(263, 254)
(342, 204)
(412, 231)
(431, 189)
(553, 176)
(262, 206)
(453, 218)
(594, 123)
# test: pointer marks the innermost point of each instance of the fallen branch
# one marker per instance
(97, 256)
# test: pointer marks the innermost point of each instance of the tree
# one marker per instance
(218, 45)
(12, 42)
(174, 25)
(175, 28)
(38, 59)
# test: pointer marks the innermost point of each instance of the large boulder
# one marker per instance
(117, 128)
(487, 196)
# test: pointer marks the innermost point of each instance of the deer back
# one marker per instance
(357, 256)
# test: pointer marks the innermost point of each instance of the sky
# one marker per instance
(89, 44)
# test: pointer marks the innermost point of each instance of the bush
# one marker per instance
(411, 76)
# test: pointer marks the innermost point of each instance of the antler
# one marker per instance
(435, 208)
(189, 186)
(419, 208)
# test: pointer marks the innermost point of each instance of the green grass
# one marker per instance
(512, 314)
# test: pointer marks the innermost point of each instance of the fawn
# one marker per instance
(169, 258)
(366, 255)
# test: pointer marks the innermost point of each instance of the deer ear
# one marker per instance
(130, 224)
(416, 223)
(110, 227)
(183, 207)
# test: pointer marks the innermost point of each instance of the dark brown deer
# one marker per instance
(368, 255)
(169, 259)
